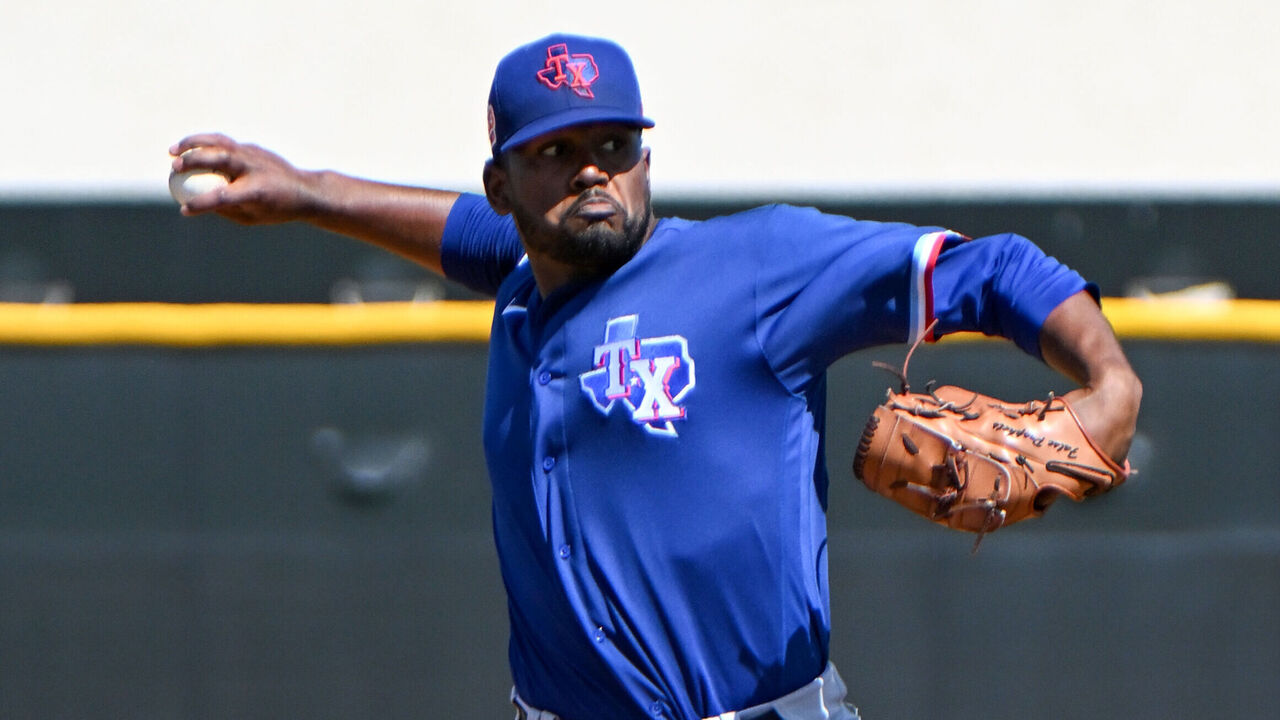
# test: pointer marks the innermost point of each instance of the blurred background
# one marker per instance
(265, 531)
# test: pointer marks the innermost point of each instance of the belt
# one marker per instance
(821, 699)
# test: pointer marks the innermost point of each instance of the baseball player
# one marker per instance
(656, 388)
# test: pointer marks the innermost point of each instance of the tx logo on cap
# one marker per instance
(578, 71)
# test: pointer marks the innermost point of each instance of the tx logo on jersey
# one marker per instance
(577, 71)
(649, 377)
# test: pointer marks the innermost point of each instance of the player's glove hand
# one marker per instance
(973, 462)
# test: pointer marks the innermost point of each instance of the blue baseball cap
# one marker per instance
(561, 81)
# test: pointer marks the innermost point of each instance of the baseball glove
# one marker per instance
(976, 463)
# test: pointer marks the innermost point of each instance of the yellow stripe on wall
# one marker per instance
(243, 324)
(218, 324)
(1166, 319)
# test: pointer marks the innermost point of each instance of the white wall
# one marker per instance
(761, 97)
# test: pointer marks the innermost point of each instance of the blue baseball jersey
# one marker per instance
(655, 439)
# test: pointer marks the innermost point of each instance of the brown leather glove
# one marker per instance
(976, 463)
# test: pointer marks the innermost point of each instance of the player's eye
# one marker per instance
(552, 150)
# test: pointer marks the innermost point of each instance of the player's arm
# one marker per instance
(1004, 285)
(266, 188)
(1077, 341)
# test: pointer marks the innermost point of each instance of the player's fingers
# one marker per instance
(262, 188)
(244, 200)
(201, 140)
(204, 202)
(203, 157)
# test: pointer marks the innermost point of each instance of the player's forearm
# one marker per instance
(408, 221)
(1077, 341)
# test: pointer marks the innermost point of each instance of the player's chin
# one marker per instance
(595, 238)
(599, 247)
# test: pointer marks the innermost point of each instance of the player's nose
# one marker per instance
(589, 174)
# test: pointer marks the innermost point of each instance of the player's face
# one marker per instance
(580, 196)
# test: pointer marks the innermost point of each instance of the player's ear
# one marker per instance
(495, 187)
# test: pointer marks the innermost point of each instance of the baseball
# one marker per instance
(185, 185)
(190, 183)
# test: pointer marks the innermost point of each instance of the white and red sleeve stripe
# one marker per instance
(923, 259)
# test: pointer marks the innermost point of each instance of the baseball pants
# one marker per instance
(821, 699)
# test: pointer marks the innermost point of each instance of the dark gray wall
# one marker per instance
(176, 541)
(266, 533)
(148, 252)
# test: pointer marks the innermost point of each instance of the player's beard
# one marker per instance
(597, 250)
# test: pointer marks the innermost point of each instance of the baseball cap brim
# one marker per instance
(573, 117)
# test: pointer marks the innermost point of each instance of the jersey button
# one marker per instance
(548, 463)
(656, 708)
(599, 636)
(565, 552)
(544, 377)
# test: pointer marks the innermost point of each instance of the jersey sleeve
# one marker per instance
(828, 285)
(1001, 285)
(479, 247)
